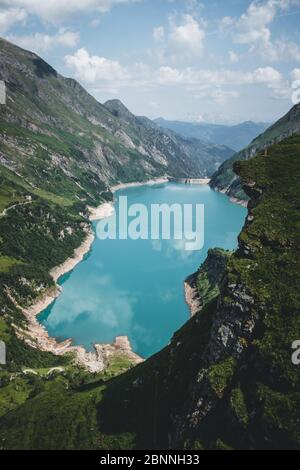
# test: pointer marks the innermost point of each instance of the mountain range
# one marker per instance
(236, 136)
(226, 180)
(62, 141)
(226, 380)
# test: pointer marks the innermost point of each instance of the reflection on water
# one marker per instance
(135, 288)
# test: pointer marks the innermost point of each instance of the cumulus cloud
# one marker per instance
(39, 42)
(10, 16)
(159, 33)
(187, 34)
(102, 72)
(184, 38)
(212, 83)
(53, 10)
(295, 74)
(233, 57)
(253, 28)
(206, 78)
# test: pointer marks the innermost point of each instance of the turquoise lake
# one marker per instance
(135, 287)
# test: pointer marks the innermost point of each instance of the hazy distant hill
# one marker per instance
(60, 151)
(227, 181)
(226, 379)
(62, 140)
(235, 137)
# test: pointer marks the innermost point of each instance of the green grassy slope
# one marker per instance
(60, 150)
(60, 139)
(225, 179)
(226, 380)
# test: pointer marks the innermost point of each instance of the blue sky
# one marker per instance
(211, 61)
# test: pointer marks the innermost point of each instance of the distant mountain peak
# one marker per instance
(116, 107)
(235, 136)
(225, 180)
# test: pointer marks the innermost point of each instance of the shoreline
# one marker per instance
(191, 295)
(106, 209)
(38, 337)
(195, 181)
(135, 184)
(77, 257)
(234, 200)
(241, 202)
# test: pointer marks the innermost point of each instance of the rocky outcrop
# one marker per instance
(226, 379)
(52, 123)
(226, 181)
(204, 285)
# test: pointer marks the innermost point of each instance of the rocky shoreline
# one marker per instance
(78, 256)
(191, 295)
(151, 182)
(241, 202)
(233, 199)
(37, 336)
(101, 212)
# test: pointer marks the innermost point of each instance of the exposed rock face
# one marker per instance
(236, 137)
(204, 285)
(61, 152)
(226, 181)
(62, 140)
(226, 379)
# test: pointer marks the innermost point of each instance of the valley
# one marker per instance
(115, 358)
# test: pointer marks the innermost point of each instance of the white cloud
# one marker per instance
(101, 72)
(219, 85)
(252, 28)
(205, 78)
(10, 16)
(295, 74)
(54, 10)
(212, 83)
(183, 39)
(159, 33)
(218, 95)
(187, 34)
(267, 75)
(233, 57)
(39, 42)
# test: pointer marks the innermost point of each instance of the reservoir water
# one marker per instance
(135, 287)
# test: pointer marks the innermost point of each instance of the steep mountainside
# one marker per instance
(211, 156)
(226, 180)
(62, 140)
(236, 137)
(60, 150)
(226, 380)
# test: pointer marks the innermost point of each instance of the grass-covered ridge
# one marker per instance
(226, 180)
(201, 393)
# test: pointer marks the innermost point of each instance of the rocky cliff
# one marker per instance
(61, 140)
(225, 179)
(60, 150)
(226, 380)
